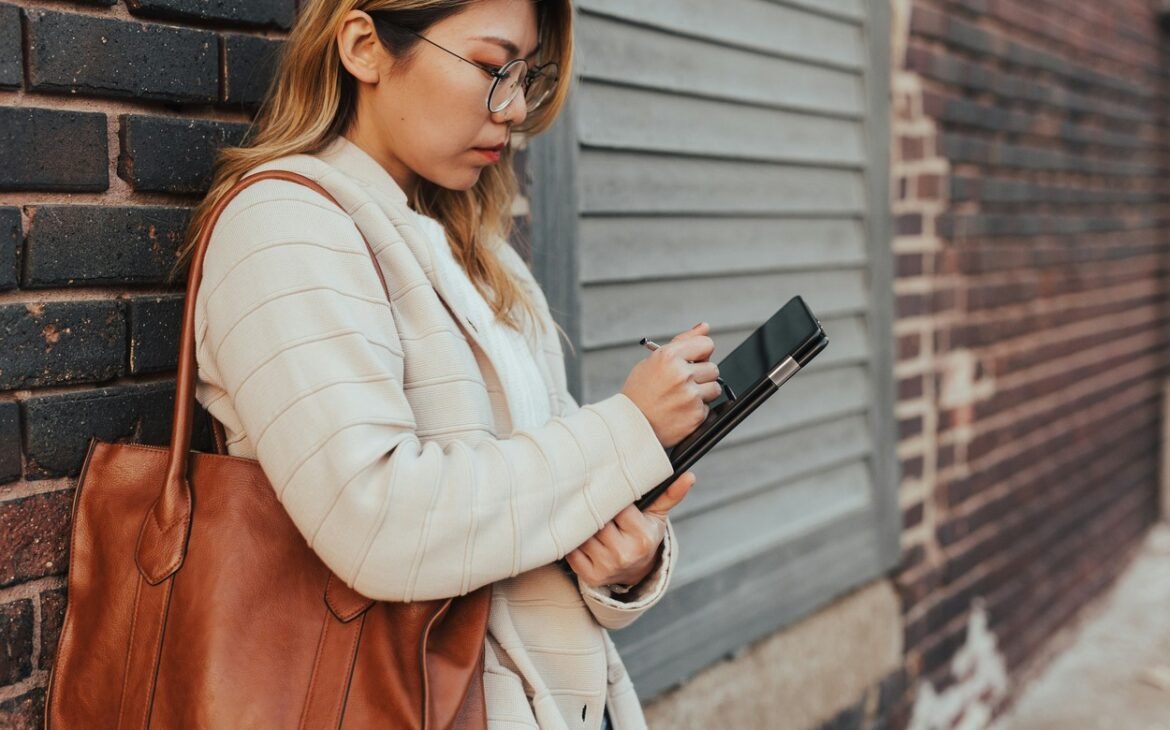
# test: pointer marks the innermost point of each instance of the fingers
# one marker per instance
(710, 391)
(674, 494)
(702, 328)
(581, 563)
(704, 372)
(695, 348)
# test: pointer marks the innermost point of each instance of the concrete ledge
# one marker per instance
(800, 677)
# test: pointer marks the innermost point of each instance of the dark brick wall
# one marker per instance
(1031, 254)
(110, 116)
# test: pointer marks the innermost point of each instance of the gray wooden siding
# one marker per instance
(716, 159)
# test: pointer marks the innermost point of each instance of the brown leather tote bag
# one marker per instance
(194, 602)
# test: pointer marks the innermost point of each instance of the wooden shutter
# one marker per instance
(716, 159)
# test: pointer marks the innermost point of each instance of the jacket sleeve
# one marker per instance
(297, 331)
(618, 611)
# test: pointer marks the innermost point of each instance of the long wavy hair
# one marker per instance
(313, 100)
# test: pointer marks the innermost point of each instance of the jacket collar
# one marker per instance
(358, 164)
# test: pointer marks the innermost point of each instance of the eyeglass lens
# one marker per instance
(514, 76)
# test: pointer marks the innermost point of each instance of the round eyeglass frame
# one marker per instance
(528, 76)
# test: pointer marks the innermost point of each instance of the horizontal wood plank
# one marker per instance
(772, 28)
(626, 182)
(620, 249)
(731, 473)
(619, 313)
(618, 52)
(849, 9)
(618, 117)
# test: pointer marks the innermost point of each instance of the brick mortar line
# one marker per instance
(81, 294)
(1127, 398)
(119, 11)
(923, 284)
(24, 489)
(961, 437)
(942, 593)
(962, 583)
(116, 106)
(125, 380)
(1121, 402)
(21, 199)
(1060, 46)
(39, 679)
(1062, 303)
(949, 91)
(1131, 344)
(31, 589)
(1001, 64)
(1145, 312)
(917, 244)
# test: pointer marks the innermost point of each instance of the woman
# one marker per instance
(427, 446)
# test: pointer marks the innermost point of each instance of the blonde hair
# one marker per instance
(312, 100)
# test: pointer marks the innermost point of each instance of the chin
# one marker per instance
(461, 181)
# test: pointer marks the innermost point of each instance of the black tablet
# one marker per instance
(751, 374)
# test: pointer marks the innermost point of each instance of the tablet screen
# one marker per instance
(781, 336)
(789, 333)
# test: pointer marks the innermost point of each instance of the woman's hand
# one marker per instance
(673, 386)
(626, 549)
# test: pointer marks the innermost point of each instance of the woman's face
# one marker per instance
(427, 116)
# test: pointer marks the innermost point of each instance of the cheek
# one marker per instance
(444, 118)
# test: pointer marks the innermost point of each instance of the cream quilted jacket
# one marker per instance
(384, 430)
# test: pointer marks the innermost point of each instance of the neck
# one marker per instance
(372, 145)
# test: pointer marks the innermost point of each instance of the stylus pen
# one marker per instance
(651, 345)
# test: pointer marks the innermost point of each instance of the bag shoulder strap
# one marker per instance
(163, 538)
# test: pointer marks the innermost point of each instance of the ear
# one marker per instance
(362, 53)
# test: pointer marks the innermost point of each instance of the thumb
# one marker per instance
(674, 494)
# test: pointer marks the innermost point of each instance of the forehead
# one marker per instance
(510, 24)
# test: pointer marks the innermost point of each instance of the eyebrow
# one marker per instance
(508, 46)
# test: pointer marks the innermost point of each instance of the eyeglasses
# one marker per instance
(537, 82)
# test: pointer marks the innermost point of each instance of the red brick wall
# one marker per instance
(1030, 171)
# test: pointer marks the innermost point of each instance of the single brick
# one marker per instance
(9, 441)
(58, 428)
(155, 324)
(11, 52)
(10, 234)
(104, 57)
(16, 640)
(70, 245)
(61, 342)
(52, 616)
(43, 149)
(172, 155)
(34, 537)
(250, 64)
(26, 712)
(258, 13)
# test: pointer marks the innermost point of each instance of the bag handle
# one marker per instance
(162, 540)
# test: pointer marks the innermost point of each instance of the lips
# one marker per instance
(492, 153)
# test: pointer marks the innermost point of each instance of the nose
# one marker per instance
(516, 111)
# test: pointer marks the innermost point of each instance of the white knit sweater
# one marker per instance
(507, 347)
